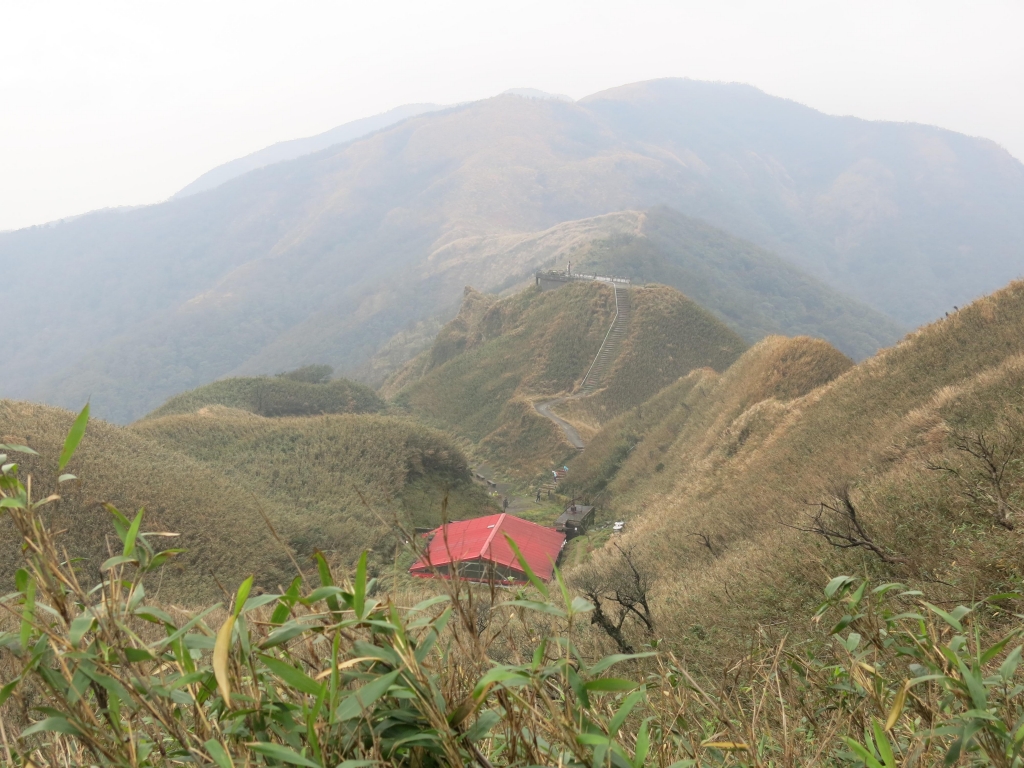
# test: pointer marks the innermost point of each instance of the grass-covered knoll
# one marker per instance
(498, 357)
(303, 392)
(668, 336)
(753, 291)
(339, 483)
(700, 410)
(219, 524)
(718, 467)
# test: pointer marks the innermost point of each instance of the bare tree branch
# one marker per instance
(839, 523)
(984, 479)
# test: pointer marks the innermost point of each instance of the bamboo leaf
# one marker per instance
(610, 684)
(882, 743)
(293, 676)
(643, 745)
(540, 585)
(359, 589)
(220, 659)
(726, 745)
(17, 449)
(133, 533)
(241, 595)
(627, 706)
(74, 437)
(219, 754)
(1009, 666)
(52, 724)
(861, 751)
(361, 699)
(615, 658)
(282, 753)
(897, 706)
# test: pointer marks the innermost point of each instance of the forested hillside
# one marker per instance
(324, 258)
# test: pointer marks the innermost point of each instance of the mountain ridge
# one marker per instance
(323, 259)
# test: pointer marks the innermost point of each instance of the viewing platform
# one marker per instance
(555, 279)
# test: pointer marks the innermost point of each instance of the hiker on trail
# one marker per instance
(504, 504)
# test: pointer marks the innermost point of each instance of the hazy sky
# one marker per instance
(106, 104)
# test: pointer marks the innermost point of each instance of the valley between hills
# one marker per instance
(323, 359)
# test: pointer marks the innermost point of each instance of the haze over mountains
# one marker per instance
(324, 257)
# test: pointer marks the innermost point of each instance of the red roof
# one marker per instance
(484, 539)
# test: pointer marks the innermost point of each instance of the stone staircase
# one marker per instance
(610, 346)
(551, 486)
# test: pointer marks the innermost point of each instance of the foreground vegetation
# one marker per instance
(327, 673)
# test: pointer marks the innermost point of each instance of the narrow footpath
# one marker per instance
(544, 409)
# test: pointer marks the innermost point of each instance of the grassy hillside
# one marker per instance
(326, 257)
(220, 528)
(338, 483)
(625, 460)
(716, 473)
(498, 357)
(285, 395)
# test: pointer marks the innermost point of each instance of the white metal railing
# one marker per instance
(605, 341)
(577, 276)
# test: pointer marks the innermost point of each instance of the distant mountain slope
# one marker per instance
(497, 358)
(753, 291)
(289, 150)
(325, 257)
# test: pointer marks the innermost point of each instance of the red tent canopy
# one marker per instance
(483, 541)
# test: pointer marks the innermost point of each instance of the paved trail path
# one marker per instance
(544, 409)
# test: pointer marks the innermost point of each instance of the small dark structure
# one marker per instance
(575, 520)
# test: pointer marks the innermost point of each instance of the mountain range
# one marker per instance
(325, 257)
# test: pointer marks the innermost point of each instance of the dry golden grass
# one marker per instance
(338, 483)
(738, 457)
(220, 527)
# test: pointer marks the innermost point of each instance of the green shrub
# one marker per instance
(311, 374)
(305, 392)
